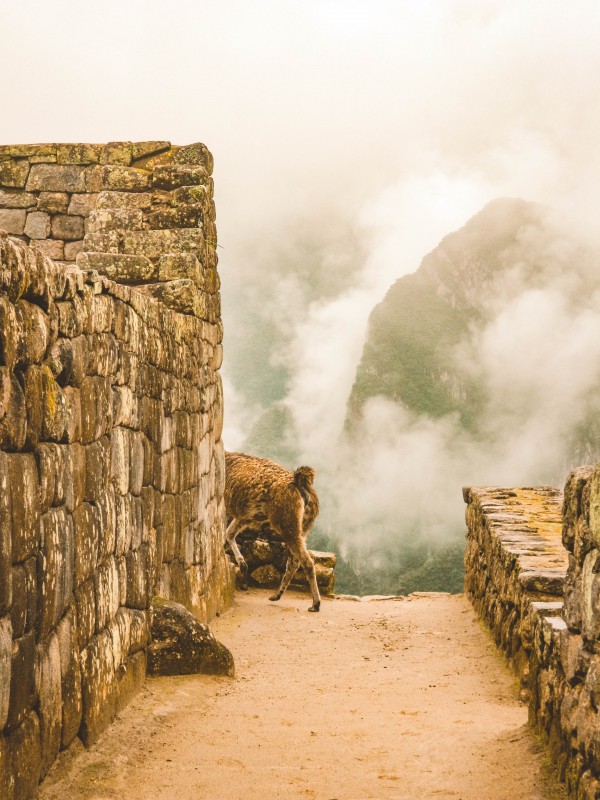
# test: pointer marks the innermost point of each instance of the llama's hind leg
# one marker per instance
(233, 529)
(291, 568)
(308, 566)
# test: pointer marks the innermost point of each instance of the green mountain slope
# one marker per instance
(412, 333)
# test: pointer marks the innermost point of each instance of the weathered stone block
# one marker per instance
(123, 524)
(65, 226)
(73, 477)
(130, 679)
(13, 412)
(55, 568)
(172, 176)
(97, 472)
(594, 490)
(78, 153)
(115, 219)
(590, 589)
(5, 540)
(180, 295)
(56, 178)
(108, 521)
(107, 592)
(26, 757)
(24, 610)
(52, 248)
(125, 407)
(140, 568)
(136, 463)
(119, 459)
(145, 149)
(82, 204)
(122, 178)
(33, 390)
(53, 202)
(153, 244)
(117, 153)
(72, 250)
(6, 632)
(266, 576)
(96, 408)
(12, 220)
(175, 267)
(72, 399)
(70, 671)
(10, 335)
(181, 645)
(7, 784)
(50, 701)
(14, 198)
(54, 409)
(25, 504)
(180, 217)
(68, 360)
(124, 200)
(33, 152)
(197, 154)
(98, 687)
(86, 521)
(23, 689)
(132, 269)
(14, 173)
(35, 333)
(85, 603)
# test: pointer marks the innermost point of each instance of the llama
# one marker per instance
(257, 489)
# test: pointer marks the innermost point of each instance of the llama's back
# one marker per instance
(249, 481)
(254, 485)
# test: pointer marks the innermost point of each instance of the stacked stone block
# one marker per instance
(547, 625)
(148, 204)
(266, 556)
(514, 558)
(111, 460)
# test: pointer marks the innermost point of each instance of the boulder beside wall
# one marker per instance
(181, 645)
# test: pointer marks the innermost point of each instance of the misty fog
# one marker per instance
(349, 139)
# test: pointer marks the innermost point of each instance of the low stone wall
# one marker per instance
(517, 574)
(111, 460)
(266, 556)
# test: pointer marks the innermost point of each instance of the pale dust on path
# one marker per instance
(402, 699)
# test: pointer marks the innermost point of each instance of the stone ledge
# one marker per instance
(514, 560)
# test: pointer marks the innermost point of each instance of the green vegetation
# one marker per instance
(396, 567)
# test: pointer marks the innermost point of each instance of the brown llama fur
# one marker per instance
(259, 490)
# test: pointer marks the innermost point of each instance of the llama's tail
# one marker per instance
(303, 478)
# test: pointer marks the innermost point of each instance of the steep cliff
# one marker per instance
(410, 355)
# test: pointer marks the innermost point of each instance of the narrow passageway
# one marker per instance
(402, 699)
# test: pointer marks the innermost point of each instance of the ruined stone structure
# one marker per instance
(111, 460)
(532, 564)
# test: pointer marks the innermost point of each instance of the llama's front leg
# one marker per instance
(233, 529)
(291, 568)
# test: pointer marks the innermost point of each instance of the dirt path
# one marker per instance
(390, 700)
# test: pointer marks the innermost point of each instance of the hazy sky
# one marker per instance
(349, 137)
(316, 102)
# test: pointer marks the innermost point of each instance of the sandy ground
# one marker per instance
(396, 699)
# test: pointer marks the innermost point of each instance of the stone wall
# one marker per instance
(266, 556)
(111, 460)
(542, 604)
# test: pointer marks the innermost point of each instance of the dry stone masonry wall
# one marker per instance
(111, 460)
(266, 556)
(532, 572)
